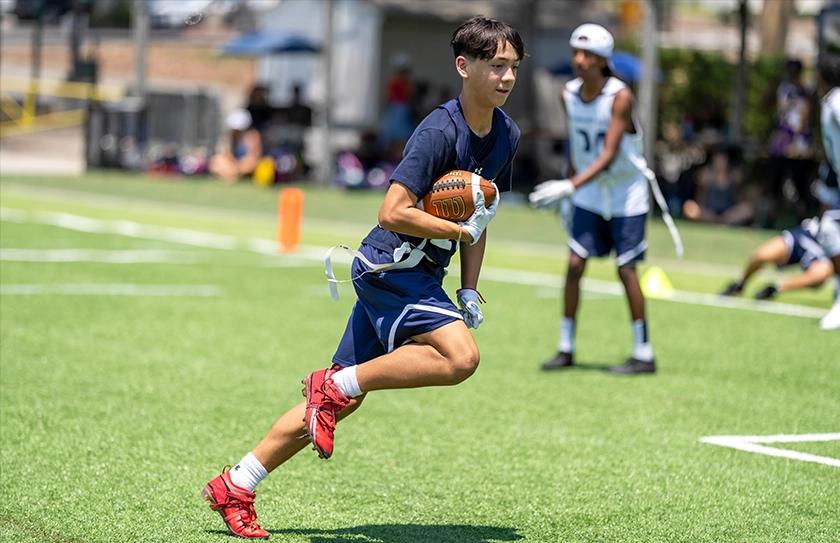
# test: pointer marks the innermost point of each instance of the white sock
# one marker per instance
(248, 472)
(346, 381)
(567, 336)
(642, 349)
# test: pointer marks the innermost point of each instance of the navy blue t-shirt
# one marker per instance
(441, 143)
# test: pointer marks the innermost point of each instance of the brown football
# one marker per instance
(451, 195)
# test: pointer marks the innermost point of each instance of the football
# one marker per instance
(451, 195)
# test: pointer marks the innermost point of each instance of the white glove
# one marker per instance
(468, 301)
(482, 215)
(550, 192)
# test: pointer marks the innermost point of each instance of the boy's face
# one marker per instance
(587, 64)
(491, 79)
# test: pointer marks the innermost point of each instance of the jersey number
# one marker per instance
(587, 141)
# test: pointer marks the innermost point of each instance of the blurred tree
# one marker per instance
(773, 23)
(696, 92)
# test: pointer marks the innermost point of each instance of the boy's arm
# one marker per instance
(570, 167)
(621, 122)
(471, 258)
(399, 213)
(468, 296)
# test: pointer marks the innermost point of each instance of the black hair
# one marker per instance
(479, 37)
(829, 69)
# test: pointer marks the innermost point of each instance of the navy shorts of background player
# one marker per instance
(593, 235)
(803, 247)
(395, 305)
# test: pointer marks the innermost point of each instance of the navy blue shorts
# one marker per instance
(392, 307)
(803, 248)
(593, 235)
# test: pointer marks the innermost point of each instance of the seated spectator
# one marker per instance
(716, 198)
(244, 153)
(794, 246)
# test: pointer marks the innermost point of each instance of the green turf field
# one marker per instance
(148, 336)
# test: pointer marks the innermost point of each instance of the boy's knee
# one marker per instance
(627, 271)
(576, 267)
(463, 363)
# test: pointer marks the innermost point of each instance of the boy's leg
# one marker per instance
(642, 360)
(814, 276)
(775, 250)
(628, 234)
(564, 357)
(589, 237)
(444, 356)
(287, 436)
(232, 493)
(635, 298)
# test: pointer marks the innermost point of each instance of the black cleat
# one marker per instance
(559, 361)
(767, 293)
(633, 366)
(733, 289)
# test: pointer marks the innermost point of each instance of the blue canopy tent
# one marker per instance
(269, 43)
(625, 66)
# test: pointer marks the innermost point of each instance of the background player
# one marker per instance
(404, 331)
(793, 246)
(829, 194)
(608, 189)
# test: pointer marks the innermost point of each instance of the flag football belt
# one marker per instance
(660, 201)
(405, 256)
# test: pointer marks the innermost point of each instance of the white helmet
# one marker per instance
(593, 38)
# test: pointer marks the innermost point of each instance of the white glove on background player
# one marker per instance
(550, 192)
(468, 300)
(482, 215)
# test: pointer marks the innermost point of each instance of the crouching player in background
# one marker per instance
(404, 331)
(797, 245)
(828, 191)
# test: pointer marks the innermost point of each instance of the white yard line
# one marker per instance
(314, 253)
(109, 289)
(752, 444)
(9, 254)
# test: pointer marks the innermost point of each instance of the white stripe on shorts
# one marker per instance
(422, 307)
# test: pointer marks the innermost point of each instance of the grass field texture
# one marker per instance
(149, 336)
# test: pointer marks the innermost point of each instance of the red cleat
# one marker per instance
(323, 402)
(236, 505)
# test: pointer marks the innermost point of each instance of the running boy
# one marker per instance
(404, 331)
(608, 189)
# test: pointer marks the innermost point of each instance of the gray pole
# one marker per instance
(326, 169)
(647, 86)
(37, 40)
(140, 22)
(137, 118)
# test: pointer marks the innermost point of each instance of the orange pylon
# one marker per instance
(290, 219)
